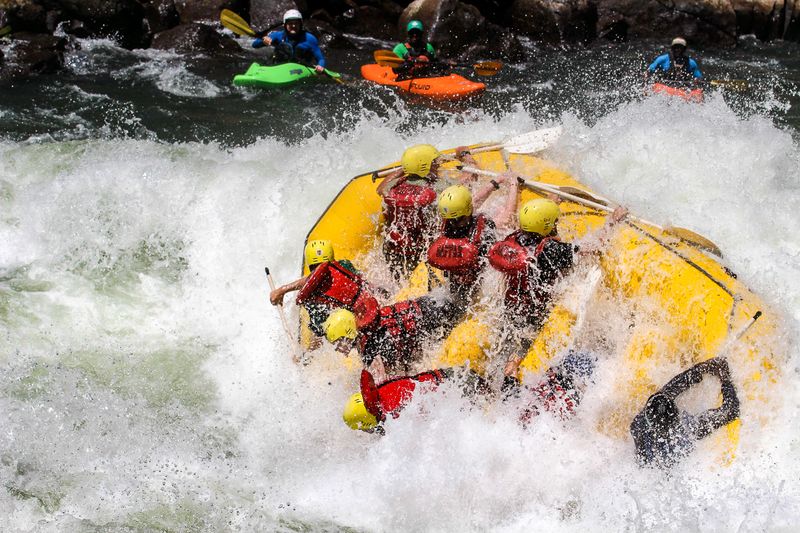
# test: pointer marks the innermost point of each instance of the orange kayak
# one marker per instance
(452, 87)
(693, 95)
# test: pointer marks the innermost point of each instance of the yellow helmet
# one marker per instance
(318, 251)
(418, 159)
(539, 216)
(356, 415)
(340, 323)
(455, 202)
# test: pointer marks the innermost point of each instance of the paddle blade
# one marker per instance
(235, 23)
(487, 68)
(533, 141)
(387, 58)
(735, 85)
(5, 30)
(695, 239)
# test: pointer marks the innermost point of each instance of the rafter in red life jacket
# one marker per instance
(333, 286)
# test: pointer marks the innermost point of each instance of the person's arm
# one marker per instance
(482, 194)
(276, 296)
(698, 76)
(506, 216)
(389, 182)
(431, 50)
(598, 240)
(400, 50)
(713, 419)
(313, 46)
(642, 438)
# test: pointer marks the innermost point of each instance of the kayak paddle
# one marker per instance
(735, 85)
(5, 30)
(235, 23)
(387, 58)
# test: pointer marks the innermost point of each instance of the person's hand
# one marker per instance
(619, 214)
(505, 177)
(319, 69)
(421, 59)
(276, 297)
(267, 41)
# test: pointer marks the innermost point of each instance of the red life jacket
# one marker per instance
(392, 396)
(333, 286)
(398, 323)
(407, 220)
(514, 260)
(458, 255)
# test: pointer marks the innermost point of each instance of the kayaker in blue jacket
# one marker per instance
(675, 66)
(663, 434)
(293, 43)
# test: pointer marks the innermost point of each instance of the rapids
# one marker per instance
(146, 383)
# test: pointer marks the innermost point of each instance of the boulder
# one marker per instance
(194, 37)
(33, 53)
(25, 15)
(122, 20)
(193, 10)
(700, 21)
(371, 21)
(267, 13)
(555, 21)
(766, 19)
(160, 15)
(328, 35)
(452, 26)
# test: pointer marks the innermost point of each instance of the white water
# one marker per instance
(146, 382)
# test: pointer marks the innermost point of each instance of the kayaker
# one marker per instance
(293, 43)
(675, 66)
(392, 340)
(330, 285)
(663, 433)
(408, 206)
(462, 247)
(532, 259)
(368, 409)
(418, 55)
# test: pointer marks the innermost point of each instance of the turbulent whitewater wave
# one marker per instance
(146, 384)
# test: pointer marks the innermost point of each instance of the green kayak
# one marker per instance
(277, 75)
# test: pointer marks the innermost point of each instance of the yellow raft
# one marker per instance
(680, 305)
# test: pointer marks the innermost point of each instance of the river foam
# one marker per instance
(146, 381)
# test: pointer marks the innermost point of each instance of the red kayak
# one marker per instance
(690, 95)
(451, 87)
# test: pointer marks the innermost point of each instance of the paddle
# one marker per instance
(297, 356)
(579, 196)
(235, 23)
(239, 26)
(5, 30)
(531, 142)
(387, 58)
(735, 85)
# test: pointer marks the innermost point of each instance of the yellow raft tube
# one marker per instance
(681, 305)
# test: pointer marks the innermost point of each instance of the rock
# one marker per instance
(451, 26)
(700, 21)
(555, 21)
(267, 13)
(766, 19)
(160, 15)
(122, 20)
(371, 21)
(33, 53)
(193, 38)
(193, 10)
(328, 35)
(26, 16)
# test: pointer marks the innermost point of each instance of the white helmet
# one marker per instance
(292, 14)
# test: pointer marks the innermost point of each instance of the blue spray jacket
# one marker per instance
(664, 63)
(303, 50)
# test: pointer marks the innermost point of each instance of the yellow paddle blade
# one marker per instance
(695, 239)
(736, 85)
(487, 68)
(387, 58)
(235, 23)
(5, 30)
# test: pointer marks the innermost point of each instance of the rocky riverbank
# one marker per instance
(41, 30)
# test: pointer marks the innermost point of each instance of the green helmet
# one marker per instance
(414, 25)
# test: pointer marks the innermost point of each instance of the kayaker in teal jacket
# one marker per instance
(419, 55)
(293, 43)
(675, 66)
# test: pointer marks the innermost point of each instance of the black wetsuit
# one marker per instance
(664, 446)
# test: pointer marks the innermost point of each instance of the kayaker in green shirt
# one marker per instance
(418, 54)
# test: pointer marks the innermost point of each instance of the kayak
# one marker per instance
(277, 75)
(451, 87)
(690, 95)
(676, 303)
